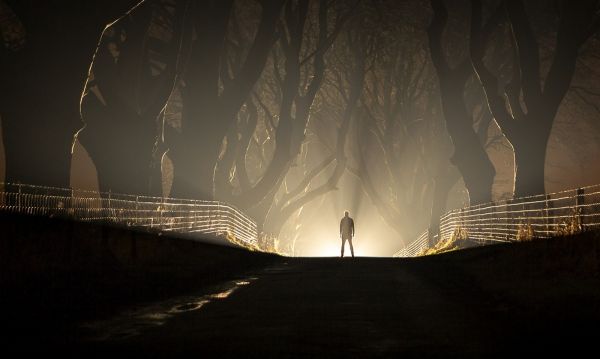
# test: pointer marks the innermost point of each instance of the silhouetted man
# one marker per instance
(347, 232)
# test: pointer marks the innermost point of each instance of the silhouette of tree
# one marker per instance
(275, 189)
(351, 82)
(469, 155)
(210, 104)
(134, 73)
(389, 140)
(526, 107)
(42, 82)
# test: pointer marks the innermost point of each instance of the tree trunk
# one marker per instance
(195, 161)
(203, 128)
(443, 183)
(533, 101)
(123, 163)
(530, 159)
(124, 102)
(208, 112)
(42, 84)
(469, 156)
(477, 171)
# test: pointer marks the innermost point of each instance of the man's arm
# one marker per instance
(341, 223)
(352, 224)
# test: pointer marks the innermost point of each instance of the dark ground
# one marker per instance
(505, 300)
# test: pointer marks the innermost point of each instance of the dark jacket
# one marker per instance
(347, 227)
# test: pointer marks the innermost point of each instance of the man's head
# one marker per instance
(346, 214)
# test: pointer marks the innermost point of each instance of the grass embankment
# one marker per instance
(54, 271)
(458, 240)
(532, 295)
(565, 265)
(558, 267)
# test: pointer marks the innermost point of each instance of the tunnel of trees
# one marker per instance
(270, 104)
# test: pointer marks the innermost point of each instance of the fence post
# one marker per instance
(70, 208)
(230, 222)
(109, 207)
(160, 213)
(137, 218)
(549, 221)
(579, 205)
(507, 218)
(218, 217)
(430, 243)
(196, 213)
(491, 219)
(19, 198)
(210, 215)
(480, 222)
(476, 213)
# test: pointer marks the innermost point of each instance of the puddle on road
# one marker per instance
(278, 268)
(133, 322)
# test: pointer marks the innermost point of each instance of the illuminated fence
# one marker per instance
(415, 247)
(156, 213)
(540, 216)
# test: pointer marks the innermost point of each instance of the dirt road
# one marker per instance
(327, 307)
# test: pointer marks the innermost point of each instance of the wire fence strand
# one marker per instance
(541, 216)
(144, 212)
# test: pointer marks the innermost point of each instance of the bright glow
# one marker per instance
(317, 226)
(327, 247)
(331, 247)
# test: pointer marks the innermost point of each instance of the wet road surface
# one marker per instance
(312, 307)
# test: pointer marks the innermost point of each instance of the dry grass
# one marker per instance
(525, 232)
(458, 240)
(571, 226)
(267, 243)
(270, 243)
(233, 239)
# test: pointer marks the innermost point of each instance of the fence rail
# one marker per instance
(156, 213)
(540, 216)
(415, 247)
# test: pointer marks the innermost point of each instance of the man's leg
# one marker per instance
(343, 242)
(351, 247)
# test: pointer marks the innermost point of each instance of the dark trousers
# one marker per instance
(349, 239)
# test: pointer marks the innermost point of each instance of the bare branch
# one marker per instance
(528, 51)
(487, 79)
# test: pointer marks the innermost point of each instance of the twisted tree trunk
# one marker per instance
(526, 108)
(207, 114)
(42, 82)
(469, 156)
(124, 102)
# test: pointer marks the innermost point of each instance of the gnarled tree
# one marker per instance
(469, 155)
(290, 90)
(42, 81)
(134, 72)
(210, 105)
(526, 107)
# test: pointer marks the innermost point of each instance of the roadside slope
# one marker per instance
(55, 272)
(526, 298)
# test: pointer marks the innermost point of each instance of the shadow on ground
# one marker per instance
(535, 297)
